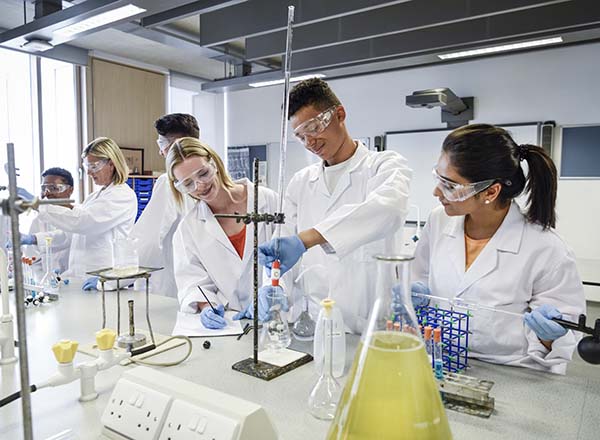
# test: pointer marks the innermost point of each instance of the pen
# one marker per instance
(244, 331)
(209, 303)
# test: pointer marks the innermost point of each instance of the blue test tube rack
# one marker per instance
(455, 334)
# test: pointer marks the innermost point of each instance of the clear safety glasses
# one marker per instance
(163, 143)
(202, 175)
(314, 126)
(456, 192)
(54, 188)
(94, 167)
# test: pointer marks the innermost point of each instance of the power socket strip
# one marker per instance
(136, 411)
(176, 409)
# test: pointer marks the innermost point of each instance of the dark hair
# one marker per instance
(180, 124)
(482, 152)
(313, 91)
(60, 172)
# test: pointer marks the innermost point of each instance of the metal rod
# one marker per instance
(103, 304)
(148, 309)
(255, 263)
(131, 321)
(19, 295)
(118, 309)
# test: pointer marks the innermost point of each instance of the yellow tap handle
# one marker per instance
(64, 351)
(105, 338)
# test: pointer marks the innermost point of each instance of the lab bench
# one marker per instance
(529, 404)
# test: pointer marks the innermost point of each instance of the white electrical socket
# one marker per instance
(180, 410)
(186, 421)
(136, 411)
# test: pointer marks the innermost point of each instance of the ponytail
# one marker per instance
(541, 186)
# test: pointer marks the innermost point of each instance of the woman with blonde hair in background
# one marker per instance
(213, 253)
(106, 214)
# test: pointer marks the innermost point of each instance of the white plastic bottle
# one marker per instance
(339, 340)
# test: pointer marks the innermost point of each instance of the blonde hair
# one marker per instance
(106, 148)
(186, 147)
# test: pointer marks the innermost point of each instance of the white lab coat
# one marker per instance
(60, 246)
(205, 257)
(361, 218)
(154, 230)
(104, 215)
(521, 267)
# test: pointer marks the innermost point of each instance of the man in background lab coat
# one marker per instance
(351, 205)
(57, 183)
(156, 226)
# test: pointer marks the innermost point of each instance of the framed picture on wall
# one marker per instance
(134, 157)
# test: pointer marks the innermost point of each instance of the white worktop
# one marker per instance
(529, 404)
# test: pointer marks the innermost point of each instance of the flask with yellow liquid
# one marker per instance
(391, 392)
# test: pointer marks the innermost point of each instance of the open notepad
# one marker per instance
(189, 324)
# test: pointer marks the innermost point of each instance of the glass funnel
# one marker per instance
(391, 392)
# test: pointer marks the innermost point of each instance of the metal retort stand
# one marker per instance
(252, 366)
(130, 340)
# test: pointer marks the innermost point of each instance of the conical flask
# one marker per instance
(275, 335)
(391, 392)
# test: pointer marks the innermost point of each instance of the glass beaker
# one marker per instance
(391, 392)
(126, 260)
(324, 396)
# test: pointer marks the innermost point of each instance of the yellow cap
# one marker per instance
(48, 240)
(105, 338)
(64, 351)
(327, 305)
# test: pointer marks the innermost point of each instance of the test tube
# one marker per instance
(396, 326)
(389, 325)
(437, 353)
(429, 343)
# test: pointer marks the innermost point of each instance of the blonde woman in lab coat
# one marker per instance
(480, 247)
(214, 253)
(107, 213)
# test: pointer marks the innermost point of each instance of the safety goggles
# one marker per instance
(457, 192)
(202, 175)
(163, 143)
(316, 125)
(54, 188)
(94, 167)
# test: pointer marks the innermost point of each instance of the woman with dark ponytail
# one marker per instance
(482, 247)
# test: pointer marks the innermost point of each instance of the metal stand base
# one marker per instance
(266, 371)
(130, 342)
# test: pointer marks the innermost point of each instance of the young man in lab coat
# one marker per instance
(57, 183)
(156, 226)
(341, 211)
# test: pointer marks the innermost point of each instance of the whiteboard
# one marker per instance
(422, 150)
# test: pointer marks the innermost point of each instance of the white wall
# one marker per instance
(558, 84)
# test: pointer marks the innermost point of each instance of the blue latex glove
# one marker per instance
(28, 239)
(24, 194)
(290, 250)
(265, 302)
(90, 284)
(213, 320)
(417, 301)
(540, 321)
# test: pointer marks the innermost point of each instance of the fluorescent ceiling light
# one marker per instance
(503, 48)
(100, 20)
(281, 81)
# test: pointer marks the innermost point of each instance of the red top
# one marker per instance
(239, 241)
